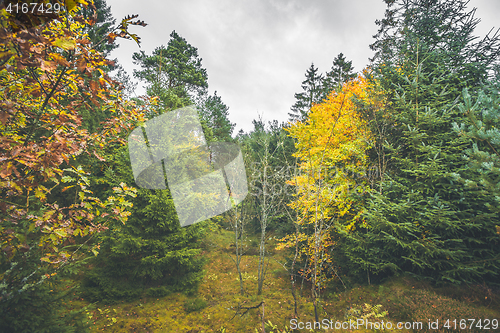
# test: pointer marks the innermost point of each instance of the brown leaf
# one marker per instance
(15, 152)
(111, 37)
(19, 65)
(24, 248)
(37, 48)
(81, 65)
(60, 60)
(99, 157)
(93, 86)
(84, 41)
(139, 22)
(48, 66)
(3, 207)
(36, 92)
(6, 170)
(4, 116)
(79, 18)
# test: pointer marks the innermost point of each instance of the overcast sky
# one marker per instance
(256, 52)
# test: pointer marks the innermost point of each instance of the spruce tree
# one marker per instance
(214, 113)
(104, 24)
(341, 72)
(173, 73)
(311, 94)
(483, 127)
(424, 221)
(152, 253)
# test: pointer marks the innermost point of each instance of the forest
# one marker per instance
(376, 203)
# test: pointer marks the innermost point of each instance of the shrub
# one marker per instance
(158, 292)
(192, 305)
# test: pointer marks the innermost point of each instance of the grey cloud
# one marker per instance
(257, 51)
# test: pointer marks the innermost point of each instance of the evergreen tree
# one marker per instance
(32, 296)
(311, 94)
(214, 113)
(424, 221)
(173, 73)
(443, 28)
(483, 126)
(98, 35)
(152, 253)
(341, 72)
(127, 86)
(103, 25)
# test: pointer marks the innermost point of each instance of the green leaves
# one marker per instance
(311, 94)
(214, 115)
(482, 125)
(174, 73)
(433, 214)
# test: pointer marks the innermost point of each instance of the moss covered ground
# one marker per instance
(218, 306)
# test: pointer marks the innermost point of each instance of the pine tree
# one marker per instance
(483, 126)
(103, 25)
(424, 221)
(173, 73)
(310, 95)
(152, 253)
(214, 113)
(341, 72)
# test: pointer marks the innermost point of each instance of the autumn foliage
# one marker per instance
(331, 147)
(49, 72)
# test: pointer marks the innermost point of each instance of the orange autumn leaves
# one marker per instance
(49, 73)
(332, 145)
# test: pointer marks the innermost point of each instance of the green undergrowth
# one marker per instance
(219, 307)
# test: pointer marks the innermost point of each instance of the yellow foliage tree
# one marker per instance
(332, 146)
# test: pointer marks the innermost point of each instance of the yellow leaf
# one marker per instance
(65, 43)
(70, 5)
(60, 232)
(39, 194)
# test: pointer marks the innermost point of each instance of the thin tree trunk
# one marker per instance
(263, 320)
(270, 204)
(292, 274)
(303, 278)
(239, 248)
(263, 226)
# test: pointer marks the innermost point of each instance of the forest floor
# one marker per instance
(219, 307)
